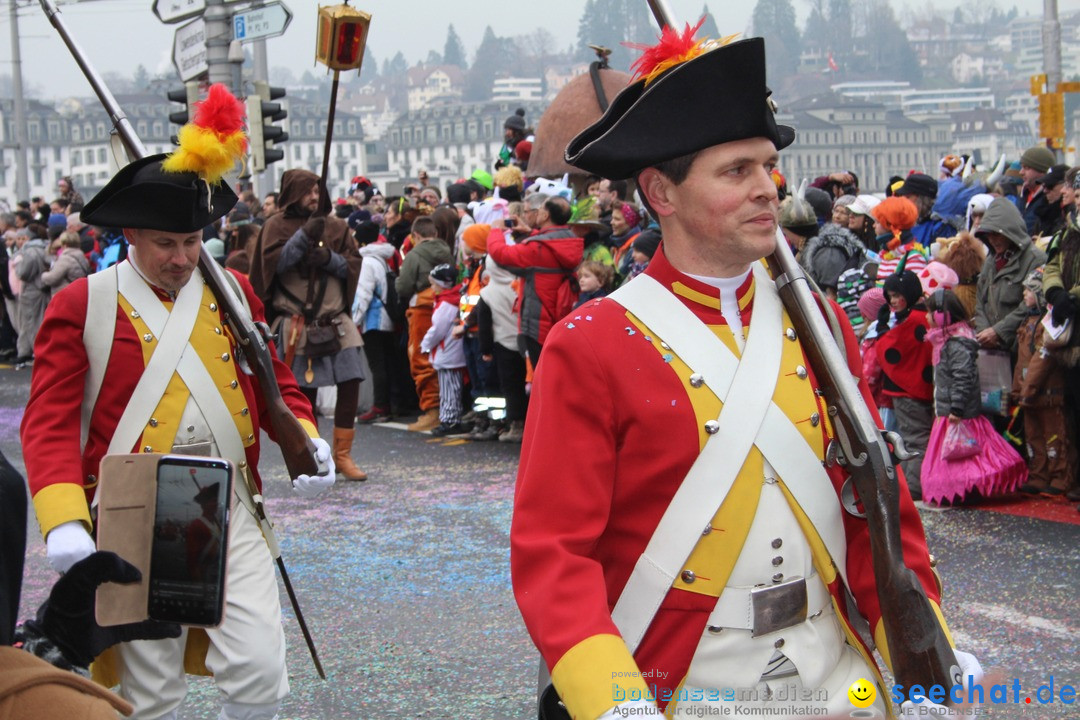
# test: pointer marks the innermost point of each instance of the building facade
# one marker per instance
(838, 133)
(451, 141)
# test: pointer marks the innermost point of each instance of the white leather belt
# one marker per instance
(769, 608)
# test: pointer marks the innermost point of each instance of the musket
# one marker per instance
(918, 647)
(297, 449)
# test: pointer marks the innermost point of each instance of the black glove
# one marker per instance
(1064, 305)
(317, 256)
(67, 617)
(314, 227)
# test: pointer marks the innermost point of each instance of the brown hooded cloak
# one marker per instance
(282, 225)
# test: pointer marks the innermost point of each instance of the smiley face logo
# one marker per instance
(862, 693)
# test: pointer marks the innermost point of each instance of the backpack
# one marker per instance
(394, 307)
(567, 295)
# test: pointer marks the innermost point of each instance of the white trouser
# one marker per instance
(828, 699)
(246, 654)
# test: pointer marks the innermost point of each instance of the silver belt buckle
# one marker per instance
(777, 607)
(196, 448)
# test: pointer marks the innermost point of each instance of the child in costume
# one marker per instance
(993, 467)
(446, 349)
(907, 367)
(897, 215)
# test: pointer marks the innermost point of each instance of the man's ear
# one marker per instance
(654, 186)
(128, 234)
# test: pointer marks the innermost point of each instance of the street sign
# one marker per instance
(258, 23)
(189, 50)
(175, 11)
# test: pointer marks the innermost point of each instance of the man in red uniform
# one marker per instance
(677, 541)
(141, 352)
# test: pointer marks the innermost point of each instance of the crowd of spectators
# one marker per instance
(512, 256)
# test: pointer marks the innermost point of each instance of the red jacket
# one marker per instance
(613, 428)
(50, 426)
(544, 261)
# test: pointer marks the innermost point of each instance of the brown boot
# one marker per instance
(343, 439)
(428, 420)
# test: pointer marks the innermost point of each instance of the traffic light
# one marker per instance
(188, 96)
(263, 134)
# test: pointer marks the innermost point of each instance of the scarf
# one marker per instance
(938, 336)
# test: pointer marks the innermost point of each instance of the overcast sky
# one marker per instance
(119, 35)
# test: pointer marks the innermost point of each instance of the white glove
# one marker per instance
(972, 673)
(67, 544)
(312, 485)
(634, 709)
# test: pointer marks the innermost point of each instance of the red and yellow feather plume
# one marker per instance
(672, 49)
(214, 141)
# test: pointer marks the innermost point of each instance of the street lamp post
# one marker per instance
(22, 178)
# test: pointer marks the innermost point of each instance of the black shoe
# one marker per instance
(447, 429)
(1073, 495)
(6, 355)
(1030, 489)
(1052, 492)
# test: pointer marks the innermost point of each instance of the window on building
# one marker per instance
(57, 155)
(310, 127)
(352, 127)
(406, 136)
(369, 148)
(352, 150)
(488, 129)
(101, 156)
(473, 131)
(337, 128)
(76, 158)
(33, 134)
(395, 138)
(159, 129)
(76, 133)
(102, 131)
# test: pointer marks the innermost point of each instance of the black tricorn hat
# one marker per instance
(717, 97)
(142, 195)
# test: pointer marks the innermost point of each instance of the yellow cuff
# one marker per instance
(595, 675)
(311, 430)
(60, 503)
(883, 646)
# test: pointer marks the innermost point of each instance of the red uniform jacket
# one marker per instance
(50, 427)
(611, 433)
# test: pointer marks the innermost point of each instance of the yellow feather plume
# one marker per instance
(206, 152)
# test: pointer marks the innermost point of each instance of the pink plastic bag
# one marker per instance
(959, 442)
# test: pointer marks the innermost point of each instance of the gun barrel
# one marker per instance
(134, 146)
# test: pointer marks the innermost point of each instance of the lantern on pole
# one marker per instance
(342, 36)
(339, 45)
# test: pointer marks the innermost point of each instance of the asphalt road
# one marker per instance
(404, 581)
